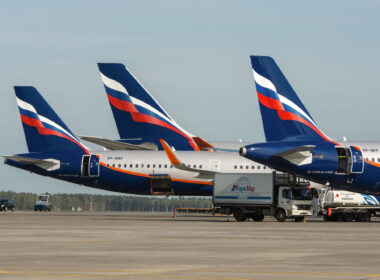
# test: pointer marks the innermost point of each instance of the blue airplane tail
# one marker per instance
(44, 131)
(137, 114)
(283, 114)
(122, 107)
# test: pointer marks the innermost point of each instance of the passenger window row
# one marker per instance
(252, 167)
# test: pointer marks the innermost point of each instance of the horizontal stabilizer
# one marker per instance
(177, 163)
(47, 164)
(116, 145)
(299, 156)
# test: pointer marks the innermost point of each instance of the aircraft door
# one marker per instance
(357, 160)
(94, 166)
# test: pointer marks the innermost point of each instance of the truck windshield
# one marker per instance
(42, 198)
(301, 194)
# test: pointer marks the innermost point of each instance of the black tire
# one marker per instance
(362, 216)
(280, 215)
(5, 209)
(348, 216)
(339, 217)
(299, 219)
(49, 209)
(258, 217)
(13, 209)
(239, 215)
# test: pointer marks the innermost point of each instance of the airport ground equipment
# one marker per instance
(258, 195)
(43, 202)
(340, 205)
(7, 204)
(193, 211)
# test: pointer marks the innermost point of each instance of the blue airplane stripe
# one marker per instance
(266, 91)
(46, 125)
(150, 113)
(291, 110)
(117, 94)
(28, 113)
(237, 197)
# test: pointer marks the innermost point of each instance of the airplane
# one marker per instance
(296, 145)
(141, 121)
(56, 152)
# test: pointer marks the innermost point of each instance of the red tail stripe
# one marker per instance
(139, 117)
(46, 131)
(285, 115)
(122, 105)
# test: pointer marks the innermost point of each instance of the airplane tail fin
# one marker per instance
(44, 130)
(122, 107)
(146, 118)
(283, 114)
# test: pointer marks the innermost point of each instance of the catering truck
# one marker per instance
(339, 205)
(258, 195)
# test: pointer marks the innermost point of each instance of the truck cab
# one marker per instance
(43, 203)
(293, 202)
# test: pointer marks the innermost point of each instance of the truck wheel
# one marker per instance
(5, 209)
(348, 216)
(299, 219)
(258, 217)
(239, 215)
(280, 215)
(362, 216)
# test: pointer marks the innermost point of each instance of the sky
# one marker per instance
(193, 57)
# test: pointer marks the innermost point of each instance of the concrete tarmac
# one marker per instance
(64, 245)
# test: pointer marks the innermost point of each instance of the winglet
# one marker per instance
(202, 144)
(172, 157)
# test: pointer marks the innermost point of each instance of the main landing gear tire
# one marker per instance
(239, 215)
(258, 217)
(280, 215)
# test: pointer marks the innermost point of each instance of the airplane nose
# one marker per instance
(243, 151)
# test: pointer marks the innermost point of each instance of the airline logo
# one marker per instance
(140, 110)
(286, 109)
(370, 200)
(243, 186)
(45, 126)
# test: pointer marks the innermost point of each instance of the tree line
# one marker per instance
(88, 202)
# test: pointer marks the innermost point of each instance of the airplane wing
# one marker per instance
(177, 163)
(299, 156)
(47, 164)
(116, 145)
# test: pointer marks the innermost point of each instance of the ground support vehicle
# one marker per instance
(7, 204)
(43, 203)
(339, 205)
(258, 195)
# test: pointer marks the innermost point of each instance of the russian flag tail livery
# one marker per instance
(44, 131)
(112, 75)
(283, 114)
(137, 113)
